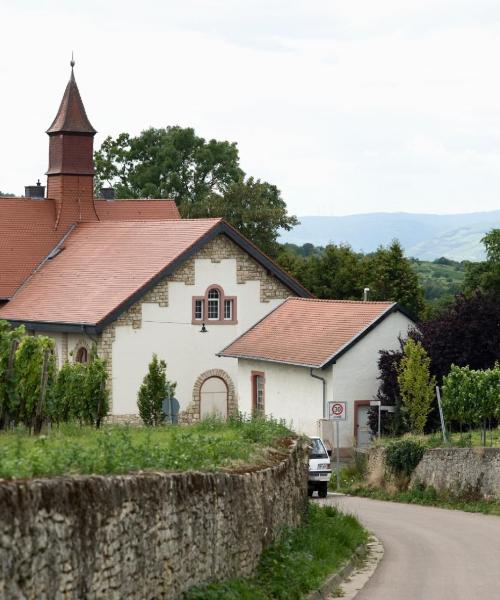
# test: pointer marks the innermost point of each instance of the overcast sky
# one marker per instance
(348, 106)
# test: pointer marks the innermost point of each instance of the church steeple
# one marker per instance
(71, 116)
(70, 177)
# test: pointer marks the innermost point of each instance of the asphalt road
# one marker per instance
(430, 553)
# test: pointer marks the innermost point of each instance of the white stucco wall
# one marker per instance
(291, 393)
(168, 332)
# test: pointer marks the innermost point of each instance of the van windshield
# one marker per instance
(317, 450)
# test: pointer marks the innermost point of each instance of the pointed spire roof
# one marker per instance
(71, 116)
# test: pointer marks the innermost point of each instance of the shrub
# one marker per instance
(402, 456)
(154, 390)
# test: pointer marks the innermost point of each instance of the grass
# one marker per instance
(71, 449)
(467, 439)
(296, 564)
(429, 497)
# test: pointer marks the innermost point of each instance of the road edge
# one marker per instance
(334, 580)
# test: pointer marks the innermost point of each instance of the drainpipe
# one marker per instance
(323, 380)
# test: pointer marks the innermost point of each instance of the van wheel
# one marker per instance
(323, 490)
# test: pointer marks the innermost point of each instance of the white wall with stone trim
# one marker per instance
(292, 394)
(161, 323)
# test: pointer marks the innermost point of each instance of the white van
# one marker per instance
(320, 469)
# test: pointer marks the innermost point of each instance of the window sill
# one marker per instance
(209, 322)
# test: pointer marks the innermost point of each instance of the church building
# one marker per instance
(132, 277)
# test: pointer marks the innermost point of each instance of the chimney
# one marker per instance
(366, 291)
(35, 191)
(108, 193)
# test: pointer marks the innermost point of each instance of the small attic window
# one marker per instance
(82, 355)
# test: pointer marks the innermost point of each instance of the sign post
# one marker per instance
(337, 412)
(441, 416)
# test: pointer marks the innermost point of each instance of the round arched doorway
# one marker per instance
(213, 398)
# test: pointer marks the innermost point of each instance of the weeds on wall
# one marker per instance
(402, 456)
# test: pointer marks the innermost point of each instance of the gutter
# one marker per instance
(323, 380)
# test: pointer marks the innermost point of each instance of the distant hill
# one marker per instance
(423, 236)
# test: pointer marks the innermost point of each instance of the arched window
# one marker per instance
(213, 309)
(82, 355)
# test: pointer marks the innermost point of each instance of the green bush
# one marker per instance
(154, 390)
(402, 456)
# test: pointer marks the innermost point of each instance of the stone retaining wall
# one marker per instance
(144, 535)
(467, 472)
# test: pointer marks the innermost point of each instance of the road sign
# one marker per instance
(337, 411)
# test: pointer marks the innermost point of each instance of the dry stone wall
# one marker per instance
(466, 472)
(145, 535)
(472, 473)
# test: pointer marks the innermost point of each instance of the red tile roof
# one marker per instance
(101, 266)
(27, 233)
(120, 210)
(26, 236)
(308, 332)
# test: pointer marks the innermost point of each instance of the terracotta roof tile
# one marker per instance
(102, 264)
(119, 210)
(305, 331)
(26, 236)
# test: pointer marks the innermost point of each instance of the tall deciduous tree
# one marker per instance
(203, 177)
(167, 163)
(391, 277)
(254, 207)
(416, 385)
(485, 276)
(468, 333)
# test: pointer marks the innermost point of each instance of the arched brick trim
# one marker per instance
(81, 343)
(192, 412)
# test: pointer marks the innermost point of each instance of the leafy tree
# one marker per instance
(485, 275)
(29, 362)
(4, 195)
(153, 391)
(68, 400)
(391, 277)
(95, 393)
(167, 163)
(468, 333)
(337, 273)
(80, 391)
(472, 397)
(203, 177)
(9, 400)
(254, 207)
(416, 384)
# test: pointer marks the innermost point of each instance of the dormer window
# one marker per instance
(214, 307)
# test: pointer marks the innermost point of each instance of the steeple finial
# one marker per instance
(72, 63)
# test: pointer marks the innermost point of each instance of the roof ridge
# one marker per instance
(335, 301)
